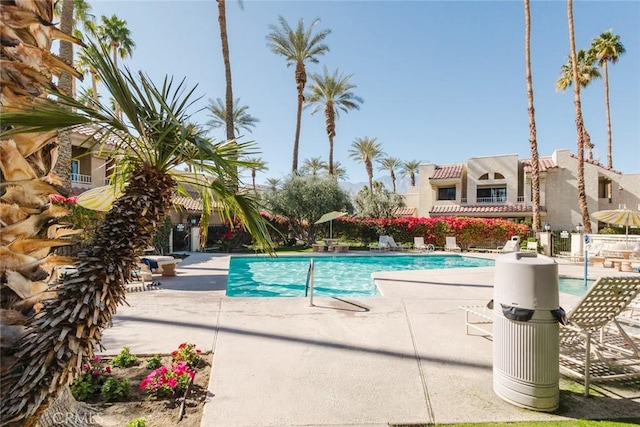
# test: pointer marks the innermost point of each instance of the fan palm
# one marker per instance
(332, 93)
(297, 46)
(313, 166)
(582, 197)
(587, 72)
(390, 164)
(339, 172)
(366, 150)
(155, 137)
(256, 164)
(607, 48)
(410, 168)
(241, 119)
(533, 141)
(113, 32)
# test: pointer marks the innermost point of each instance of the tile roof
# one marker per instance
(597, 163)
(544, 163)
(90, 131)
(404, 212)
(447, 172)
(480, 209)
(189, 204)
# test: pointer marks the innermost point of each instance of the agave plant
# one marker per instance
(156, 136)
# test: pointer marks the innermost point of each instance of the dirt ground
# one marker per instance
(156, 413)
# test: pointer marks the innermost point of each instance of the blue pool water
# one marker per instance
(338, 276)
(574, 285)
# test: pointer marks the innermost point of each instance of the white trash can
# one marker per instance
(525, 331)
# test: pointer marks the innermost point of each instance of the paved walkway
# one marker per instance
(402, 358)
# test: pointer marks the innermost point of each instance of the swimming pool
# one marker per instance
(338, 276)
(573, 285)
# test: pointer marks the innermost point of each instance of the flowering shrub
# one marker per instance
(187, 353)
(90, 382)
(167, 381)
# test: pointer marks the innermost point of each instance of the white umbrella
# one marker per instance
(622, 217)
(330, 216)
(99, 198)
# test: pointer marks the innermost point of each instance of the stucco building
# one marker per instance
(500, 187)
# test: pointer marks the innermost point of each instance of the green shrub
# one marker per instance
(89, 383)
(114, 389)
(154, 362)
(137, 422)
(124, 359)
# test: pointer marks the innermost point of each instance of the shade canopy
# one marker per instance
(99, 198)
(330, 216)
(623, 217)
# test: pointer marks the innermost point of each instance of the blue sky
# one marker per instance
(442, 81)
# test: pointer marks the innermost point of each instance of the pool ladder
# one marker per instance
(308, 289)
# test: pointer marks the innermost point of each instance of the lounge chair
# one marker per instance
(593, 344)
(394, 246)
(451, 245)
(593, 254)
(418, 244)
(512, 245)
(382, 245)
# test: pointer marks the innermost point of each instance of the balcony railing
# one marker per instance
(491, 200)
(80, 179)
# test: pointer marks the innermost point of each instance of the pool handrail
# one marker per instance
(308, 288)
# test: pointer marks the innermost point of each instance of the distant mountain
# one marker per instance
(353, 187)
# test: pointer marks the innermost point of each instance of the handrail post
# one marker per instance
(309, 285)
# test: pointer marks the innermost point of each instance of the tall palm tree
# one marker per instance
(230, 127)
(410, 168)
(113, 31)
(366, 150)
(332, 93)
(607, 48)
(241, 118)
(256, 164)
(273, 184)
(582, 197)
(156, 136)
(587, 72)
(533, 141)
(83, 65)
(298, 46)
(390, 164)
(313, 166)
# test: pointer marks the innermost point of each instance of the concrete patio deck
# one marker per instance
(400, 358)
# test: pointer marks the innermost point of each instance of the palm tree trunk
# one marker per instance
(222, 22)
(369, 168)
(62, 167)
(582, 198)
(608, 111)
(94, 85)
(301, 81)
(330, 127)
(393, 180)
(69, 328)
(533, 142)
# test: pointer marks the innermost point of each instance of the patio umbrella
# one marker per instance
(622, 217)
(99, 198)
(330, 216)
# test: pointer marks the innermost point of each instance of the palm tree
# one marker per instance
(256, 164)
(273, 184)
(156, 136)
(83, 65)
(331, 93)
(229, 101)
(390, 164)
(313, 166)
(586, 73)
(114, 32)
(582, 198)
(298, 46)
(533, 141)
(339, 172)
(410, 168)
(607, 48)
(241, 118)
(366, 150)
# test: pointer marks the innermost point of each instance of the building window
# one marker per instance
(491, 195)
(75, 171)
(498, 175)
(483, 177)
(447, 193)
